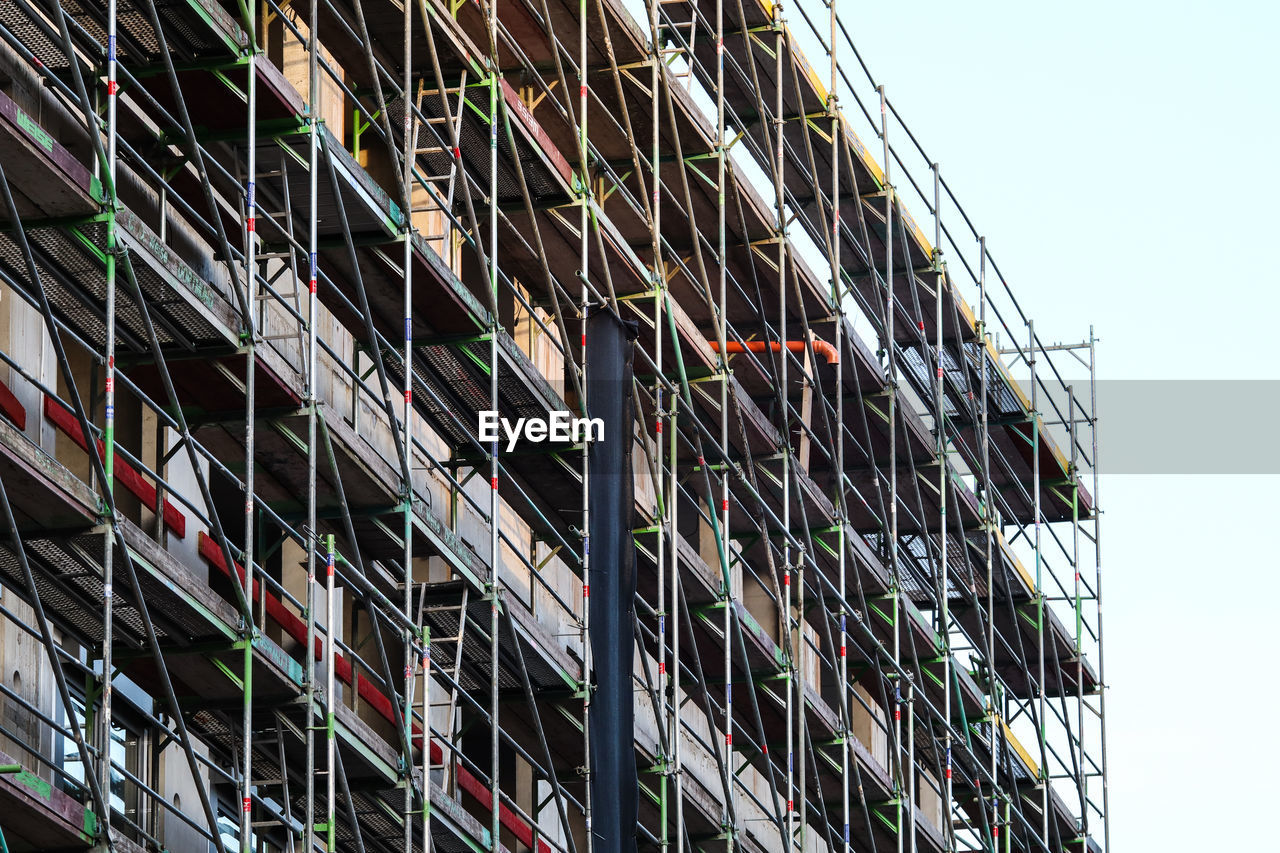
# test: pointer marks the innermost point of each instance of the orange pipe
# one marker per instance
(821, 348)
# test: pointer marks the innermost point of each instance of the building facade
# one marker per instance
(266, 586)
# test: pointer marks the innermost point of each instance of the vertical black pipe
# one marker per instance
(614, 783)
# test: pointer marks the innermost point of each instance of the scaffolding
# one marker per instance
(268, 587)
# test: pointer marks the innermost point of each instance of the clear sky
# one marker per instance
(1121, 159)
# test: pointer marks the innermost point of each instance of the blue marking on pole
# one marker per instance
(111, 412)
(312, 257)
(111, 48)
(408, 334)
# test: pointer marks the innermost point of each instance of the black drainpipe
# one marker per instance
(614, 783)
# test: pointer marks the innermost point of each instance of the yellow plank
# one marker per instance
(1022, 752)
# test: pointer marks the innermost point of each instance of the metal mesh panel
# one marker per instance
(75, 282)
(922, 365)
(18, 21)
(185, 33)
(1006, 402)
(62, 606)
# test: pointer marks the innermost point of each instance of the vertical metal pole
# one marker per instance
(1040, 593)
(781, 236)
(842, 510)
(426, 738)
(409, 154)
(673, 507)
(667, 682)
(250, 407)
(313, 145)
(801, 719)
(911, 761)
(330, 701)
(988, 523)
(1097, 590)
(495, 797)
(109, 428)
(672, 491)
(889, 347)
(677, 726)
(1082, 775)
(996, 748)
(722, 334)
(940, 424)
(584, 222)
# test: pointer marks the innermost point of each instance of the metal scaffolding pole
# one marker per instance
(584, 181)
(109, 423)
(791, 626)
(495, 521)
(720, 313)
(1079, 754)
(677, 595)
(312, 403)
(427, 845)
(409, 156)
(889, 346)
(846, 707)
(842, 510)
(1041, 722)
(330, 747)
(251, 333)
(944, 583)
(1097, 589)
(668, 676)
(989, 530)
